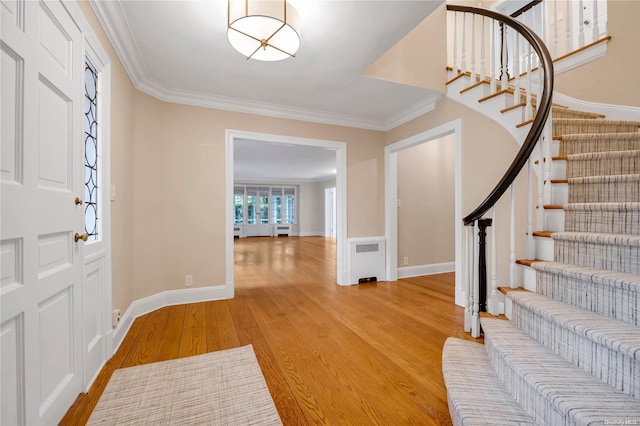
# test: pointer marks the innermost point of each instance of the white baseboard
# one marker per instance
(419, 270)
(167, 298)
(310, 234)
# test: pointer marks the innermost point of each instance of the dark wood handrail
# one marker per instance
(525, 8)
(544, 106)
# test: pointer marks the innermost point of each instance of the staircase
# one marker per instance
(570, 351)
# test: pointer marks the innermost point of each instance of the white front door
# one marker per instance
(41, 174)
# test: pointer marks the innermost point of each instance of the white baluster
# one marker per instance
(474, 76)
(512, 240)
(455, 43)
(475, 315)
(504, 66)
(463, 63)
(468, 281)
(530, 248)
(494, 303)
(544, 22)
(547, 138)
(542, 187)
(516, 68)
(492, 56)
(529, 102)
(483, 69)
(555, 29)
(567, 30)
(580, 24)
(596, 28)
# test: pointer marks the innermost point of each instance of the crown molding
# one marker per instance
(115, 24)
(414, 111)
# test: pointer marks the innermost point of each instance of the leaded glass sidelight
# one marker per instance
(91, 151)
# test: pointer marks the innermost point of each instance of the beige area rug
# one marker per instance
(219, 388)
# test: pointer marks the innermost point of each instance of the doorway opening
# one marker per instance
(453, 128)
(264, 140)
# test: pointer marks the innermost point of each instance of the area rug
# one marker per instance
(219, 388)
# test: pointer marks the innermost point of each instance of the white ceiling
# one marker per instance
(280, 162)
(177, 51)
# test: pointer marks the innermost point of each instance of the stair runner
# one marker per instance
(570, 354)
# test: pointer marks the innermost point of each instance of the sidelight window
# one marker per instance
(91, 215)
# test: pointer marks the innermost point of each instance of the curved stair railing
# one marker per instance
(512, 48)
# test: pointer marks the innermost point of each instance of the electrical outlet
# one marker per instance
(188, 280)
(405, 260)
(115, 317)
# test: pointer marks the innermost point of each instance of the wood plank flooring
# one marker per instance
(361, 355)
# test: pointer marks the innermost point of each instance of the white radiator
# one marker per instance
(282, 230)
(237, 231)
(366, 260)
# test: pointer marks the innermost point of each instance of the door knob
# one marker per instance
(82, 237)
(78, 201)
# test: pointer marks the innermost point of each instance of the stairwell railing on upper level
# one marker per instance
(480, 41)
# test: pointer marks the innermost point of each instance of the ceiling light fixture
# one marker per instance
(266, 30)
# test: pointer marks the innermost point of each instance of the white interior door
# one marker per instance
(41, 174)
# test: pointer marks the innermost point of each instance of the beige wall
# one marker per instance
(122, 167)
(426, 190)
(420, 58)
(486, 152)
(179, 183)
(612, 79)
(312, 204)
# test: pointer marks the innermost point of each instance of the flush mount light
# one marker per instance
(266, 30)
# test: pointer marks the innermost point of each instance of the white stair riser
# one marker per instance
(478, 92)
(528, 277)
(554, 220)
(544, 248)
(559, 193)
(558, 169)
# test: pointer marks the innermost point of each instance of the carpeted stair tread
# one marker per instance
(612, 294)
(614, 335)
(610, 217)
(598, 238)
(474, 392)
(603, 277)
(604, 348)
(617, 252)
(603, 163)
(599, 142)
(614, 206)
(601, 155)
(560, 112)
(549, 388)
(613, 188)
(563, 126)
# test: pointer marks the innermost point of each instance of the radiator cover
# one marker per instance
(366, 259)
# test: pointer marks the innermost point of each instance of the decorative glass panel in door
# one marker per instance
(251, 209)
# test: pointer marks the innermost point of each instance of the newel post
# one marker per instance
(482, 264)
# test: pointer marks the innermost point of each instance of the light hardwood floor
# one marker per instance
(362, 355)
